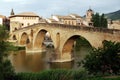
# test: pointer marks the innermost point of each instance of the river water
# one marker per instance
(36, 62)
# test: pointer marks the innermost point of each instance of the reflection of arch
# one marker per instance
(14, 37)
(24, 39)
(69, 44)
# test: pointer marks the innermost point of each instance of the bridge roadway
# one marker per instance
(63, 37)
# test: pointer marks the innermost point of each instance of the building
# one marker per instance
(50, 20)
(79, 19)
(68, 20)
(115, 24)
(4, 21)
(73, 19)
(22, 20)
(88, 17)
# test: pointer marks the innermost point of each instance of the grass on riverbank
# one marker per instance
(60, 74)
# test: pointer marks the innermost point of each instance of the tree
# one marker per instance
(99, 20)
(6, 69)
(104, 60)
(95, 20)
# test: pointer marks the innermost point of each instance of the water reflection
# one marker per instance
(35, 62)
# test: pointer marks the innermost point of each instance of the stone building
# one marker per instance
(3, 20)
(115, 24)
(79, 19)
(68, 20)
(50, 20)
(73, 19)
(64, 19)
(21, 20)
(88, 17)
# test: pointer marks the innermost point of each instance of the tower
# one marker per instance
(12, 12)
(89, 14)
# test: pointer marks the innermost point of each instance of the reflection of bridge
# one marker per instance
(63, 37)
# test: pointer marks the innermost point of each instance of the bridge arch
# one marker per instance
(40, 38)
(71, 42)
(24, 39)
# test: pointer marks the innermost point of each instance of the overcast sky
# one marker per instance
(46, 8)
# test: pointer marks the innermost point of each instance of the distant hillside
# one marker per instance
(114, 15)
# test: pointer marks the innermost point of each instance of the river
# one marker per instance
(36, 62)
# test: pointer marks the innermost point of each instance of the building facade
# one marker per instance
(22, 20)
(68, 20)
(2, 20)
(115, 24)
(73, 19)
(88, 18)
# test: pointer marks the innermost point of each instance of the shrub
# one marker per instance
(104, 60)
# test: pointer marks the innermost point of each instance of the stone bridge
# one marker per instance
(63, 37)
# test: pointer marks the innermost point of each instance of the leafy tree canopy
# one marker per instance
(99, 20)
(105, 59)
(6, 69)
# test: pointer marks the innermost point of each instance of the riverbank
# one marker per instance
(61, 74)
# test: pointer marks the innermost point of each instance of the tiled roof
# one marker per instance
(76, 15)
(64, 17)
(25, 14)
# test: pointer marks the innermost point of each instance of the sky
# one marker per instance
(46, 8)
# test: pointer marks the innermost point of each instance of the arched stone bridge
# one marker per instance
(63, 37)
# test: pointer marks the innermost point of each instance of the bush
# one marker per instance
(6, 69)
(104, 60)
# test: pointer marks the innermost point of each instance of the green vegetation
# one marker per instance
(113, 15)
(99, 20)
(80, 42)
(17, 48)
(58, 74)
(105, 60)
(6, 69)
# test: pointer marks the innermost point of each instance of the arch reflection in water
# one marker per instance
(23, 62)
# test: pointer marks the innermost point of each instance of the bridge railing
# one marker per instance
(86, 28)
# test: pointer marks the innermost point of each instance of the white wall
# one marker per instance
(1, 21)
